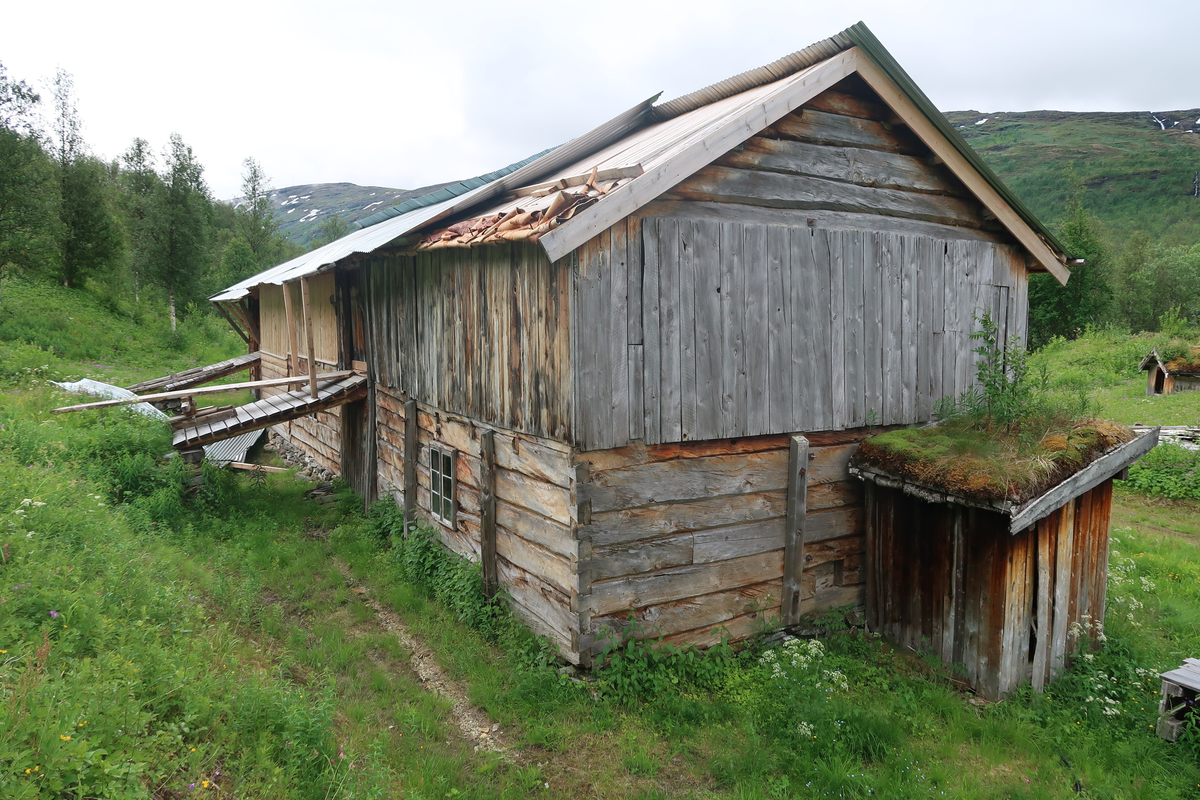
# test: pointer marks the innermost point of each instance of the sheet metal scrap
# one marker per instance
(519, 224)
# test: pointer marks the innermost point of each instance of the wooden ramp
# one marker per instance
(272, 411)
(196, 375)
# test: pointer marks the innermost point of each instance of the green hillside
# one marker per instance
(1138, 173)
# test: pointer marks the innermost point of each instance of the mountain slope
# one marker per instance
(1138, 169)
(302, 209)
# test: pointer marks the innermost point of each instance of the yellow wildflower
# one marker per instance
(204, 784)
(64, 738)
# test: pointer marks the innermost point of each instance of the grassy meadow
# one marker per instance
(239, 641)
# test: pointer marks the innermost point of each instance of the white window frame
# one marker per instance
(439, 502)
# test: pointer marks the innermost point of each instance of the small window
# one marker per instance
(441, 483)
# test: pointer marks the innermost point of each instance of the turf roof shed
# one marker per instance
(1170, 375)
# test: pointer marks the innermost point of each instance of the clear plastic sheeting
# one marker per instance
(109, 392)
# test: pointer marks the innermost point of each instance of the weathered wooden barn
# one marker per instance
(629, 373)
(1167, 376)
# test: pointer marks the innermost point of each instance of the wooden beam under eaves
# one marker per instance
(928, 133)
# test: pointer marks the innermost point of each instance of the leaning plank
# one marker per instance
(229, 387)
(198, 375)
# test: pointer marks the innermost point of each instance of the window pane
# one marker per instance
(447, 464)
(447, 509)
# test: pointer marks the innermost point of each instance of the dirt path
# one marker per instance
(471, 721)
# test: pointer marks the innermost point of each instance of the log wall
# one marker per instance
(689, 537)
(536, 550)
(1006, 607)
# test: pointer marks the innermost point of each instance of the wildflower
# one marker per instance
(204, 784)
(64, 737)
(191, 786)
(54, 614)
(26, 501)
(39, 504)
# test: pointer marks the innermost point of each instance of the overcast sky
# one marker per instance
(404, 94)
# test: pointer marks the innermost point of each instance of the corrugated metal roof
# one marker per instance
(379, 234)
(233, 449)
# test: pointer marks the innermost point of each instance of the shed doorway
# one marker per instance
(1160, 379)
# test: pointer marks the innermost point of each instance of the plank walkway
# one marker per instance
(196, 375)
(272, 411)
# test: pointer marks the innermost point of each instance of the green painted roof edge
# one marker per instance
(446, 192)
(861, 35)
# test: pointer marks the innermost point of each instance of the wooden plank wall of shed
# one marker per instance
(825, 273)
(318, 434)
(954, 581)
(690, 536)
(480, 332)
(536, 549)
(273, 322)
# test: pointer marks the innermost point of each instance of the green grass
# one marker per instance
(69, 333)
(215, 633)
(1136, 176)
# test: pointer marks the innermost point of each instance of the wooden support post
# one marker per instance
(308, 334)
(793, 533)
(487, 514)
(411, 449)
(233, 323)
(293, 365)
(871, 509)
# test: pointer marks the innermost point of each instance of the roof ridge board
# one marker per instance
(753, 78)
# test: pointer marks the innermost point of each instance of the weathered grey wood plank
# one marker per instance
(707, 291)
(925, 387)
(637, 412)
(733, 320)
(854, 270)
(821, 127)
(677, 583)
(639, 557)
(820, 218)
(411, 454)
(890, 268)
(755, 341)
(651, 332)
(793, 537)
(872, 315)
(687, 334)
(908, 329)
(634, 277)
(777, 190)
(1062, 587)
(857, 165)
(487, 513)
(618, 337)
(671, 406)
(779, 361)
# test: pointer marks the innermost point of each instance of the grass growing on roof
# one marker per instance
(1009, 439)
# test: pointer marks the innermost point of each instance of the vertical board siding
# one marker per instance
(750, 330)
(1002, 606)
(482, 333)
